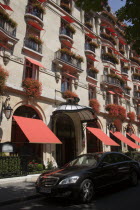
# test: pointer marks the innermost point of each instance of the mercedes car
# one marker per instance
(87, 173)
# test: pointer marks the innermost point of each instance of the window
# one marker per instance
(103, 49)
(115, 99)
(109, 50)
(108, 159)
(65, 84)
(31, 70)
(105, 72)
(108, 98)
(132, 70)
(92, 92)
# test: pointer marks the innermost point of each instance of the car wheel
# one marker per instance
(86, 191)
(133, 178)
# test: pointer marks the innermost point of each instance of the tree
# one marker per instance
(129, 13)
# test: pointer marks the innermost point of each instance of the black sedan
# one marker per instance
(87, 173)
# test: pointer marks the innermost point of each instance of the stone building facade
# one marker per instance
(65, 48)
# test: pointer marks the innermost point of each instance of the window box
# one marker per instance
(110, 57)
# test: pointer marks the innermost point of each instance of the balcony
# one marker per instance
(136, 77)
(65, 33)
(109, 58)
(68, 60)
(91, 74)
(107, 80)
(32, 47)
(33, 11)
(137, 95)
(124, 71)
(89, 48)
(127, 92)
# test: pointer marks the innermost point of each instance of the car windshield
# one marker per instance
(86, 160)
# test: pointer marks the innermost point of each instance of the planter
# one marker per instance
(79, 58)
(3, 77)
(69, 94)
(111, 57)
(32, 88)
(35, 39)
(71, 28)
(135, 59)
(126, 67)
(73, 55)
(109, 38)
(39, 8)
(117, 77)
(88, 25)
(7, 19)
(93, 69)
(116, 111)
(136, 74)
(131, 116)
(95, 105)
(94, 44)
(128, 88)
(122, 51)
(118, 124)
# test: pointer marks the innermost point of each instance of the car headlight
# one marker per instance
(70, 180)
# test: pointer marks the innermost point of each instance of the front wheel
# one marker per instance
(86, 191)
(133, 178)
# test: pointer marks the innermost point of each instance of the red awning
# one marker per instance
(35, 62)
(122, 138)
(111, 92)
(41, 1)
(67, 43)
(122, 42)
(2, 45)
(124, 60)
(134, 137)
(35, 25)
(102, 136)
(70, 75)
(92, 58)
(6, 7)
(110, 29)
(36, 131)
(68, 19)
(115, 70)
(114, 34)
(91, 36)
(93, 85)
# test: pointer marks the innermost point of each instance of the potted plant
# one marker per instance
(131, 116)
(116, 111)
(118, 124)
(93, 69)
(95, 105)
(79, 58)
(135, 59)
(3, 77)
(10, 21)
(122, 51)
(35, 39)
(39, 7)
(112, 57)
(66, 7)
(69, 94)
(128, 88)
(71, 28)
(126, 67)
(89, 25)
(94, 44)
(111, 17)
(32, 87)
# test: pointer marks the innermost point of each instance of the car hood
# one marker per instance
(67, 171)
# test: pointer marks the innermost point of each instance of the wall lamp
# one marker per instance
(111, 127)
(7, 108)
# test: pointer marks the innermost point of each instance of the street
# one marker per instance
(121, 198)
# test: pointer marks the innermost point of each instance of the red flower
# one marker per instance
(95, 105)
(69, 94)
(3, 76)
(118, 124)
(131, 116)
(32, 87)
(116, 111)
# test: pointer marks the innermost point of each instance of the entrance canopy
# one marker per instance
(36, 130)
(134, 137)
(85, 113)
(102, 136)
(122, 138)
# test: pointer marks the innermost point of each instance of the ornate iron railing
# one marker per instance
(7, 28)
(33, 45)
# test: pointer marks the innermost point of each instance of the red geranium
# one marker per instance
(69, 94)
(116, 111)
(131, 116)
(118, 124)
(3, 76)
(95, 105)
(32, 87)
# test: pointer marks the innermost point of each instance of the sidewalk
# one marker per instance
(17, 189)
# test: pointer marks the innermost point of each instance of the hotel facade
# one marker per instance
(89, 76)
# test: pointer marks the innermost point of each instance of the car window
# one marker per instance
(120, 158)
(85, 160)
(108, 159)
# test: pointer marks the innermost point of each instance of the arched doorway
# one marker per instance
(93, 143)
(18, 138)
(65, 131)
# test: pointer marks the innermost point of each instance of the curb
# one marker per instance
(17, 200)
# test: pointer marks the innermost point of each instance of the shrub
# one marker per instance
(71, 28)
(116, 111)
(50, 165)
(32, 87)
(69, 94)
(39, 167)
(95, 105)
(3, 77)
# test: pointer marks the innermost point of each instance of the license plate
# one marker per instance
(45, 190)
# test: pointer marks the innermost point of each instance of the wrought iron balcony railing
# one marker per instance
(112, 81)
(33, 45)
(34, 11)
(7, 28)
(65, 31)
(89, 47)
(68, 59)
(92, 74)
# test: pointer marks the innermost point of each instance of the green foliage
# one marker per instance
(88, 5)
(50, 165)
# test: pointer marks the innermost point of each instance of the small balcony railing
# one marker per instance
(7, 28)
(125, 71)
(112, 81)
(68, 59)
(33, 45)
(65, 31)
(127, 92)
(137, 95)
(34, 11)
(89, 47)
(134, 77)
(92, 74)
(107, 58)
